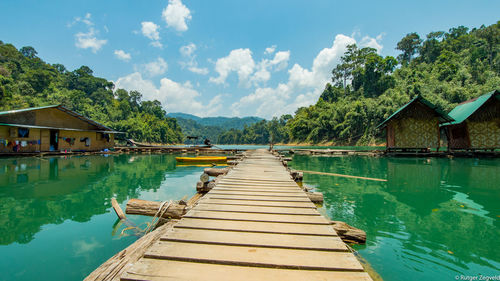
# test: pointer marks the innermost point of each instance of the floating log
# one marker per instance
(315, 197)
(349, 234)
(118, 209)
(204, 187)
(204, 177)
(214, 172)
(297, 175)
(344, 176)
(150, 208)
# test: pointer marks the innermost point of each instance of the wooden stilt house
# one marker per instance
(476, 124)
(415, 126)
(51, 128)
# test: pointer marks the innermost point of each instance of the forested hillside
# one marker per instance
(444, 67)
(210, 127)
(27, 81)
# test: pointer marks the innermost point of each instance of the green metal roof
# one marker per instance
(441, 114)
(467, 108)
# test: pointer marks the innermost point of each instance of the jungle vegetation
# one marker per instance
(446, 68)
(28, 81)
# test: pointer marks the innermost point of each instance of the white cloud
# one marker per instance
(239, 61)
(150, 30)
(156, 44)
(191, 64)
(154, 68)
(188, 50)
(122, 55)
(263, 74)
(270, 50)
(302, 88)
(174, 96)
(89, 41)
(176, 14)
(371, 42)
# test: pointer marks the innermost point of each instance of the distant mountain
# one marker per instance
(223, 122)
(210, 127)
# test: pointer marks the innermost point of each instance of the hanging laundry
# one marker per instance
(24, 143)
(87, 142)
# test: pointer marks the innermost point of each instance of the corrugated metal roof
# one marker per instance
(467, 108)
(57, 128)
(441, 114)
(64, 109)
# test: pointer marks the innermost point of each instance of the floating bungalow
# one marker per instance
(415, 126)
(51, 128)
(476, 124)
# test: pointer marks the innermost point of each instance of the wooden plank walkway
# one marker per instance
(256, 224)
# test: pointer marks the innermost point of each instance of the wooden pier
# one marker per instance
(255, 224)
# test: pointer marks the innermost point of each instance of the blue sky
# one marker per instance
(224, 58)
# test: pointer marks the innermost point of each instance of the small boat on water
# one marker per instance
(202, 159)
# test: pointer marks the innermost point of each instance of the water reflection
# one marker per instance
(433, 218)
(39, 191)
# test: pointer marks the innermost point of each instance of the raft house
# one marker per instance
(51, 129)
(414, 127)
(476, 124)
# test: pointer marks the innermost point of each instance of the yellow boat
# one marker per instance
(202, 159)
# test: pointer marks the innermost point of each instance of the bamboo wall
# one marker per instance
(484, 126)
(417, 127)
(480, 131)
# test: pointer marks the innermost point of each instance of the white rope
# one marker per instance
(159, 214)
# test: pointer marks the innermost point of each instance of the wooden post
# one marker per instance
(315, 197)
(349, 234)
(118, 209)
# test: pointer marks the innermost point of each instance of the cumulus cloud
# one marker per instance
(174, 96)
(270, 50)
(302, 88)
(122, 55)
(176, 14)
(371, 42)
(239, 61)
(190, 62)
(151, 31)
(155, 68)
(88, 40)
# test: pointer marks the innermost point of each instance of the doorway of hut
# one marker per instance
(54, 136)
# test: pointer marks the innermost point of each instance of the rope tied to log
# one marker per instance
(157, 216)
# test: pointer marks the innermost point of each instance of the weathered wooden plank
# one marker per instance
(259, 189)
(288, 204)
(270, 240)
(161, 270)
(195, 213)
(258, 198)
(260, 184)
(262, 227)
(255, 256)
(257, 209)
(258, 193)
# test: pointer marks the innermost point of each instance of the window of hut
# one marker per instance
(23, 132)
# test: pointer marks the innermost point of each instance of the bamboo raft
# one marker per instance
(256, 223)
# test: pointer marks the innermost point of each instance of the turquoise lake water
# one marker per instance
(432, 220)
